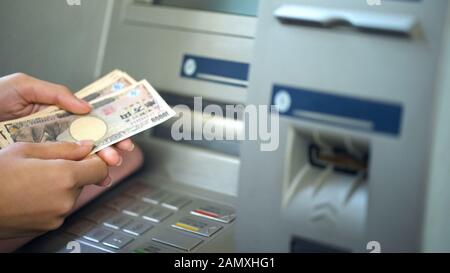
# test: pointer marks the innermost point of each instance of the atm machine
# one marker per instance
(184, 199)
(353, 85)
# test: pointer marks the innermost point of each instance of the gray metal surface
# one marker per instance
(54, 41)
(389, 205)
(172, 233)
(159, 43)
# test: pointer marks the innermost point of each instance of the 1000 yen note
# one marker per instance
(109, 84)
(114, 82)
(113, 119)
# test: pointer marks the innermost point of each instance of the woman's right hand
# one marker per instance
(40, 183)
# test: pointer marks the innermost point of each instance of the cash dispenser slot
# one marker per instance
(321, 156)
(340, 159)
(326, 189)
(197, 136)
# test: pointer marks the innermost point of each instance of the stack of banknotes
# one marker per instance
(121, 108)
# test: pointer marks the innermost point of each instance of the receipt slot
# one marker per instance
(354, 86)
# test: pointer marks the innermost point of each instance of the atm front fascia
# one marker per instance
(184, 197)
(348, 79)
(359, 89)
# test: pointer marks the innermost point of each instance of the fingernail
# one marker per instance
(131, 147)
(86, 143)
(108, 182)
(120, 162)
(85, 103)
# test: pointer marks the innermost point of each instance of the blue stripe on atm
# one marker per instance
(217, 67)
(385, 117)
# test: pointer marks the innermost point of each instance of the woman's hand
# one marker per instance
(40, 183)
(22, 95)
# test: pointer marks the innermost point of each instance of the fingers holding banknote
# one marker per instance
(112, 155)
(54, 151)
(44, 162)
(40, 184)
(22, 95)
(75, 158)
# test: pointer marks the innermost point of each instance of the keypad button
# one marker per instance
(119, 202)
(197, 226)
(79, 227)
(154, 247)
(154, 197)
(138, 190)
(175, 202)
(137, 228)
(177, 239)
(136, 208)
(117, 222)
(97, 235)
(156, 215)
(218, 213)
(99, 215)
(117, 241)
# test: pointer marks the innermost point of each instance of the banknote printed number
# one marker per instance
(150, 104)
(160, 117)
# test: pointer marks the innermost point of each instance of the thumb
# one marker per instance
(58, 150)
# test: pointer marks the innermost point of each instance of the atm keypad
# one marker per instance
(143, 219)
